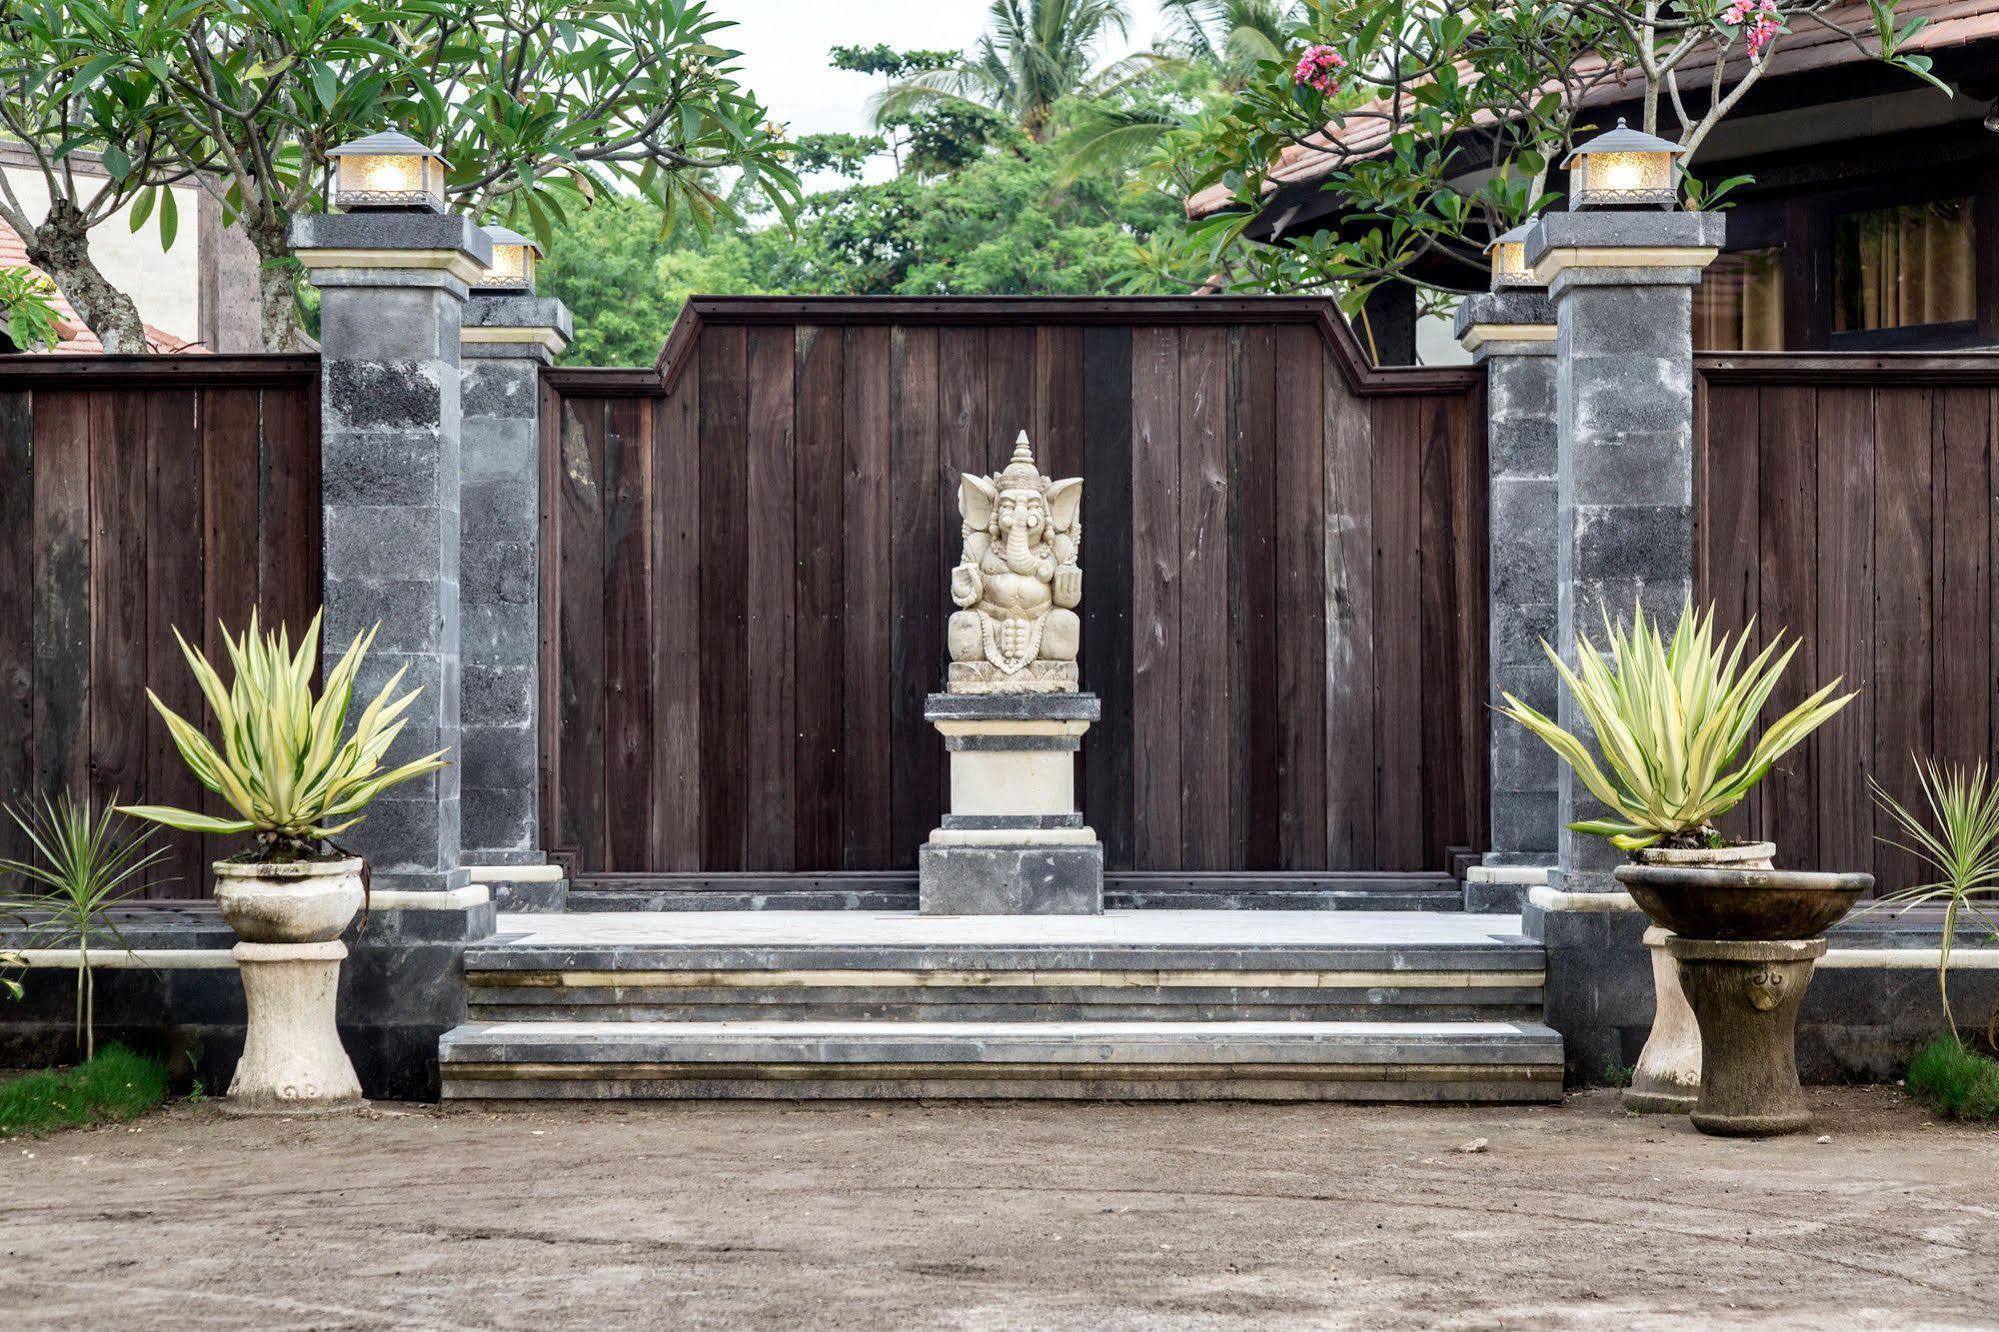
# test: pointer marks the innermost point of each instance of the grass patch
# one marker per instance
(114, 1086)
(1954, 1081)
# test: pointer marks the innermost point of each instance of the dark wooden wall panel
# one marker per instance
(137, 498)
(1284, 584)
(1848, 501)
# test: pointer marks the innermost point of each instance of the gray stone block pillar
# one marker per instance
(1512, 334)
(392, 287)
(506, 340)
(1622, 286)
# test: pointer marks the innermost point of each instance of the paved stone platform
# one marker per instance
(1183, 1005)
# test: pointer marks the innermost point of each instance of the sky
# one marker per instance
(784, 45)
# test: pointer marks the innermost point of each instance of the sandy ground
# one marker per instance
(885, 1216)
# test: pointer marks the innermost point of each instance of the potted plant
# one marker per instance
(1672, 721)
(296, 776)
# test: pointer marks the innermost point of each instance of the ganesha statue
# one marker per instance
(1017, 582)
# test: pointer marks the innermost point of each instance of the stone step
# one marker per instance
(1166, 1061)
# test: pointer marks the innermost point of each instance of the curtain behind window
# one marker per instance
(1739, 305)
(1903, 267)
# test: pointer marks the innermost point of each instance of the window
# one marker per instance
(1739, 305)
(1904, 267)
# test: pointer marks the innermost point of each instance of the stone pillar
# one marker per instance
(1622, 286)
(506, 340)
(392, 286)
(1511, 333)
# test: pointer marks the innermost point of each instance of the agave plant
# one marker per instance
(1671, 722)
(84, 864)
(283, 765)
(1962, 847)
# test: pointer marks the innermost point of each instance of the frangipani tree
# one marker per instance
(1448, 116)
(537, 105)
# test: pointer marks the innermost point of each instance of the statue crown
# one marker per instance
(1021, 472)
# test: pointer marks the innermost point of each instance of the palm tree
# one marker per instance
(1034, 54)
(1233, 35)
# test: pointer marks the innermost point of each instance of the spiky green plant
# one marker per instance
(283, 765)
(1959, 840)
(1671, 721)
(85, 863)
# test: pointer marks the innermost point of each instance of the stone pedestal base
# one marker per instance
(293, 1062)
(1014, 843)
(1012, 881)
(1667, 1080)
(1745, 996)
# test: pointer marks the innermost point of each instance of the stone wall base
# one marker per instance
(1011, 880)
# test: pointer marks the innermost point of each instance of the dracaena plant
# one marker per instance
(1672, 720)
(1959, 841)
(288, 764)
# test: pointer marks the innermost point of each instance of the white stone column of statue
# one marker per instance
(1011, 715)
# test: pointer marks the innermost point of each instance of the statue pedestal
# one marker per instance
(1014, 843)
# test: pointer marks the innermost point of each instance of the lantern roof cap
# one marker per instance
(500, 235)
(386, 143)
(1517, 236)
(1624, 140)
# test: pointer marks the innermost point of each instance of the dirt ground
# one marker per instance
(999, 1216)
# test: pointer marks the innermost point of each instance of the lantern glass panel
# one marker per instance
(402, 180)
(1509, 264)
(1628, 177)
(512, 268)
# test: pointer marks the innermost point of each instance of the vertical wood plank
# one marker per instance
(1470, 553)
(581, 766)
(820, 688)
(62, 592)
(1253, 629)
(1058, 399)
(1010, 390)
(916, 800)
(1904, 514)
(548, 636)
(1789, 566)
(1963, 723)
(1206, 757)
(171, 456)
(117, 593)
(1443, 506)
(724, 565)
(290, 564)
(1107, 586)
(1300, 604)
(1399, 432)
(1353, 765)
(1731, 526)
(772, 592)
(1155, 598)
(17, 607)
(679, 816)
(627, 487)
(1845, 577)
(869, 647)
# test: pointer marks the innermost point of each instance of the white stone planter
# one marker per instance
(1667, 1079)
(289, 918)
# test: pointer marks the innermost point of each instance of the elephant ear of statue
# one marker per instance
(977, 497)
(1065, 503)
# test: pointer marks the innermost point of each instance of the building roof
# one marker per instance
(1952, 23)
(76, 336)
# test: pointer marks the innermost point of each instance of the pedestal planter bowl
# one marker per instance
(1744, 942)
(289, 918)
(1746, 904)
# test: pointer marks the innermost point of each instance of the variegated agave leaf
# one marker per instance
(1670, 717)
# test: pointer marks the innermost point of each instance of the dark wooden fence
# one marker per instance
(139, 495)
(745, 571)
(1851, 500)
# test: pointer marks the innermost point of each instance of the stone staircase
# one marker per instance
(1140, 1005)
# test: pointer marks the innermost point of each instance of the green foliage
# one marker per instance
(1616, 1074)
(110, 1087)
(1671, 720)
(1962, 847)
(27, 301)
(84, 864)
(1431, 86)
(886, 60)
(1955, 1081)
(284, 766)
(842, 154)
